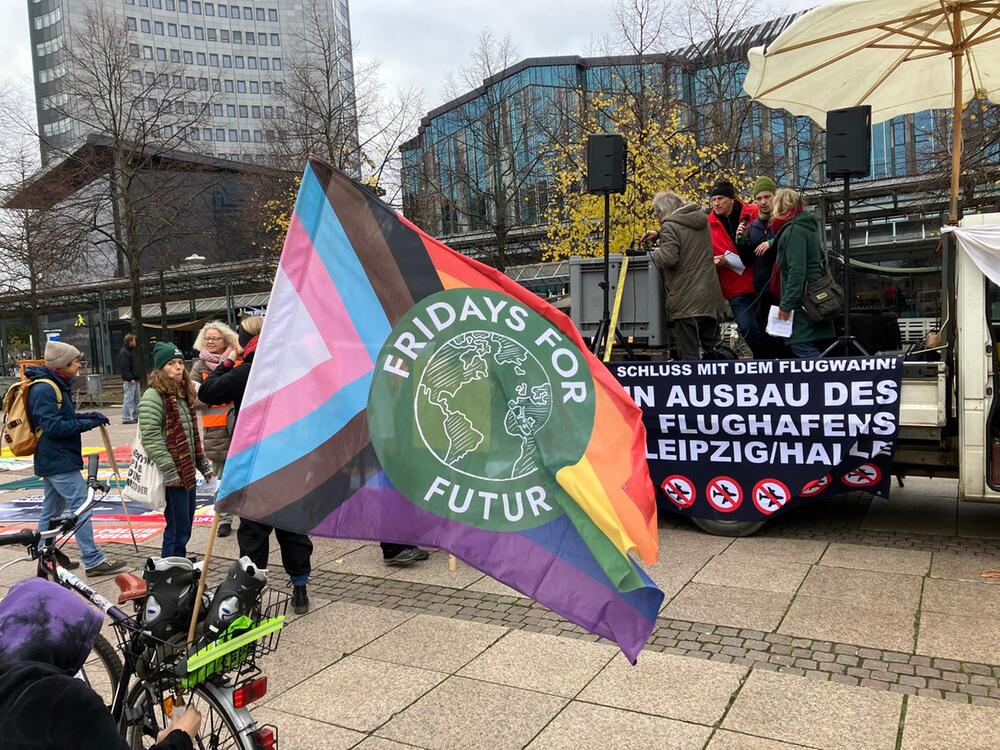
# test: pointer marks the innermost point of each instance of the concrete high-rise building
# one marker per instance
(227, 62)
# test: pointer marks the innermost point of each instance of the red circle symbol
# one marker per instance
(770, 496)
(679, 490)
(866, 475)
(724, 494)
(816, 486)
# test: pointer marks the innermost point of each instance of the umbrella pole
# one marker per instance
(958, 58)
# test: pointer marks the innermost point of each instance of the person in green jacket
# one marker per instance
(800, 259)
(170, 437)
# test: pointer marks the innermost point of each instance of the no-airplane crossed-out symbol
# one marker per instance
(679, 490)
(816, 486)
(724, 494)
(865, 475)
(770, 495)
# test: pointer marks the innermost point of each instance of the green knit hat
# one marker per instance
(163, 352)
(763, 184)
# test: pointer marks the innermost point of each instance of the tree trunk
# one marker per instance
(164, 331)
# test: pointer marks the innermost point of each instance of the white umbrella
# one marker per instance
(899, 56)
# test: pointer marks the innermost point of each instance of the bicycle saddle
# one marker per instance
(130, 587)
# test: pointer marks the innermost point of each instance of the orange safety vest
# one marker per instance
(213, 416)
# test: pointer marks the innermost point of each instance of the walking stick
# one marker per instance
(118, 481)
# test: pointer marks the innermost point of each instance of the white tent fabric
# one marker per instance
(982, 243)
(846, 53)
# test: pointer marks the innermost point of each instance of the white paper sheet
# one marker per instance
(778, 327)
(732, 260)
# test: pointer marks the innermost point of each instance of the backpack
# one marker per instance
(18, 434)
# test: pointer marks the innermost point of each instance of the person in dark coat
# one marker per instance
(46, 635)
(758, 252)
(128, 366)
(690, 282)
(228, 383)
(800, 260)
(58, 458)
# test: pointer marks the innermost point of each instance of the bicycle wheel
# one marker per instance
(223, 727)
(102, 670)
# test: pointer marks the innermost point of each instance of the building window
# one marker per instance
(252, 63)
(200, 58)
(245, 136)
(199, 33)
(272, 14)
(179, 108)
(216, 84)
(182, 6)
(275, 41)
(280, 111)
(230, 110)
(133, 50)
(131, 24)
(237, 37)
(260, 14)
(220, 134)
(244, 111)
(58, 127)
(175, 55)
(258, 136)
(157, 3)
(276, 63)
(188, 57)
(150, 78)
(178, 81)
(223, 35)
(136, 76)
(206, 134)
(161, 54)
(144, 3)
(147, 53)
(209, 9)
(185, 32)
(216, 110)
(255, 112)
(43, 22)
(247, 13)
(254, 87)
(223, 11)
(171, 5)
(211, 35)
(265, 86)
(233, 136)
(227, 61)
(264, 66)
(229, 86)
(60, 100)
(171, 29)
(144, 25)
(241, 87)
(234, 11)
(196, 8)
(213, 59)
(239, 61)
(203, 84)
(250, 37)
(268, 113)
(189, 82)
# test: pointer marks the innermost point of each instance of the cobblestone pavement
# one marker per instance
(855, 623)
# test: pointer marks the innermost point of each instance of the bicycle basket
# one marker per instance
(159, 664)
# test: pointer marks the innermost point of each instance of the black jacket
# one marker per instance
(43, 708)
(128, 364)
(763, 265)
(226, 384)
(59, 448)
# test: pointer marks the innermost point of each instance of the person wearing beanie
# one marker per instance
(758, 251)
(46, 635)
(58, 458)
(728, 218)
(172, 442)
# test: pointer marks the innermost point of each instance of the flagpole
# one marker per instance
(118, 481)
(452, 563)
(203, 578)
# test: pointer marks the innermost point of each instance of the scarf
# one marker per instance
(214, 360)
(251, 346)
(777, 224)
(177, 442)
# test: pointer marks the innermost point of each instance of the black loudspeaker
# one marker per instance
(606, 163)
(849, 142)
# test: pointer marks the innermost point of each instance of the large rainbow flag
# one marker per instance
(404, 393)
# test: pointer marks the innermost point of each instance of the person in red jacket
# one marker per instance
(728, 220)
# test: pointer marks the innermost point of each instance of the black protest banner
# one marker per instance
(744, 440)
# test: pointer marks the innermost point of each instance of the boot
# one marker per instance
(300, 600)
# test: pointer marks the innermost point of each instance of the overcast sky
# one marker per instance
(416, 41)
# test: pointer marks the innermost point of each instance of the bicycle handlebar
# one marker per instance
(93, 461)
(22, 538)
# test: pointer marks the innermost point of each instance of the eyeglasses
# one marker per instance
(214, 338)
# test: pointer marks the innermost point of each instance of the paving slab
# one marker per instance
(933, 725)
(675, 687)
(980, 520)
(299, 733)
(327, 551)
(584, 725)
(294, 662)
(961, 597)
(380, 743)
(725, 740)
(435, 571)
(778, 549)
(357, 693)
(728, 605)
(546, 663)
(753, 572)
(818, 714)
(858, 623)
(438, 643)
(884, 559)
(366, 561)
(959, 636)
(489, 585)
(473, 715)
(893, 590)
(914, 511)
(345, 626)
(964, 567)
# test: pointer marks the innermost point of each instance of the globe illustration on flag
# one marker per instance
(480, 405)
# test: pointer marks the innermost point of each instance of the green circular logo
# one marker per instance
(475, 404)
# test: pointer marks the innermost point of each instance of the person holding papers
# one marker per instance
(728, 220)
(800, 260)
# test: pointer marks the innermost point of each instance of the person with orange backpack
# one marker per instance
(58, 455)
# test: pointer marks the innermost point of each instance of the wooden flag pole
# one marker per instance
(118, 481)
(203, 578)
(452, 563)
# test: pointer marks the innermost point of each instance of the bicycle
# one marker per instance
(218, 676)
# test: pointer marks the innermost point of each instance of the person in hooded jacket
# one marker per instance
(228, 383)
(690, 282)
(800, 260)
(46, 635)
(58, 458)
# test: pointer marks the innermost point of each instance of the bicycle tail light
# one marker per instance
(264, 738)
(250, 691)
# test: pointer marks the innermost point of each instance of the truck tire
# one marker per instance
(727, 528)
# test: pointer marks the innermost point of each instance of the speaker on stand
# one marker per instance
(848, 154)
(606, 154)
